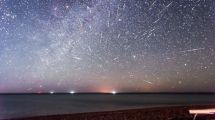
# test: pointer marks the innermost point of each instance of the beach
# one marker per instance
(157, 113)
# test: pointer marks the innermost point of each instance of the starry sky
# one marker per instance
(107, 45)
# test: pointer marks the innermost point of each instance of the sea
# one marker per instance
(28, 105)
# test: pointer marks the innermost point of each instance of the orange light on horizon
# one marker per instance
(106, 89)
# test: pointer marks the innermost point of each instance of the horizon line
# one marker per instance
(55, 93)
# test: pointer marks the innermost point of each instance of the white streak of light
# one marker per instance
(192, 50)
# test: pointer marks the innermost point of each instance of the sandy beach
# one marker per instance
(159, 113)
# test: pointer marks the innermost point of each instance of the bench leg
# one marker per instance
(194, 118)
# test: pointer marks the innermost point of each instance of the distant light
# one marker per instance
(51, 92)
(113, 92)
(72, 92)
(67, 6)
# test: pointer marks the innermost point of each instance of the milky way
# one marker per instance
(107, 45)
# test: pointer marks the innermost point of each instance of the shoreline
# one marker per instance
(155, 113)
(108, 93)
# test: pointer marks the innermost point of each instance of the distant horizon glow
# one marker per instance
(73, 46)
(113, 92)
(72, 92)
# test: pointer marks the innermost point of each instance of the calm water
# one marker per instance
(14, 106)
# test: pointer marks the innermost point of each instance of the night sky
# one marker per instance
(107, 45)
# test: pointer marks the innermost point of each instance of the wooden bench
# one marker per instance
(202, 112)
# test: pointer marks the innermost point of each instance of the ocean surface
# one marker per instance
(18, 106)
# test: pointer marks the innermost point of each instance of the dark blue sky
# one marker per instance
(106, 45)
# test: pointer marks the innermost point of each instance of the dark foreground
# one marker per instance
(160, 113)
